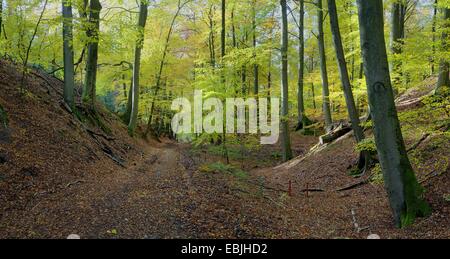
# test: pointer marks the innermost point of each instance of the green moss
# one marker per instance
(223, 168)
(367, 145)
(415, 204)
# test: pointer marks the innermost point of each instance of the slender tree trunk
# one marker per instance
(143, 13)
(68, 53)
(302, 118)
(433, 31)
(255, 66)
(313, 92)
(398, 16)
(444, 66)
(233, 29)
(212, 38)
(30, 44)
(346, 85)
(323, 69)
(223, 30)
(286, 139)
(1, 17)
(224, 49)
(89, 93)
(400, 181)
(127, 114)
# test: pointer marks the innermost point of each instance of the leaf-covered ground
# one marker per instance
(59, 177)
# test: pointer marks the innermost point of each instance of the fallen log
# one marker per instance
(335, 134)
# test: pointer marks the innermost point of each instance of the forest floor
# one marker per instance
(59, 177)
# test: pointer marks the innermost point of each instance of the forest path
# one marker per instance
(151, 199)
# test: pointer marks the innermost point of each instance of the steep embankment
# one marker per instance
(59, 176)
(320, 180)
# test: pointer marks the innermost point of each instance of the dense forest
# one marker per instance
(90, 91)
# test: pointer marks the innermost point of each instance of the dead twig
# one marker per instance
(355, 223)
(74, 183)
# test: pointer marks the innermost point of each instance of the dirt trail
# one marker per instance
(56, 180)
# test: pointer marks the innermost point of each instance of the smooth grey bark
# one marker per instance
(89, 91)
(127, 114)
(68, 53)
(403, 190)
(143, 13)
(223, 30)
(345, 80)
(323, 69)
(302, 118)
(444, 66)
(211, 38)
(398, 16)
(1, 17)
(255, 66)
(433, 31)
(286, 140)
(222, 56)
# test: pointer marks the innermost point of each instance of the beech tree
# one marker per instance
(302, 118)
(404, 191)
(1, 18)
(68, 52)
(398, 16)
(345, 80)
(143, 13)
(286, 139)
(444, 66)
(93, 30)
(323, 69)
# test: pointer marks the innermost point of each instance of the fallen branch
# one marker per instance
(421, 140)
(73, 183)
(356, 185)
(91, 132)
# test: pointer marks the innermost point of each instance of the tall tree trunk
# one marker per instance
(255, 66)
(323, 69)
(400, 181)
(433, 31)
(398, 16)
(1, 17)
(302, 118)
(224, 48)
(286, 139)
(68, 53)
(444, 66)
(346, 85)
(143, 13)
(223, 30)
(212, 38)
(233, 29)
(89, 92)
(127, 115)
